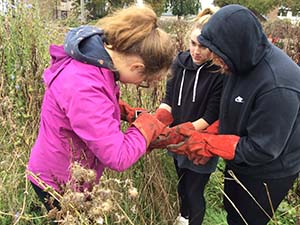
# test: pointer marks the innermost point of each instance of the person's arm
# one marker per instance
(167, 100)
(200, 124)
(165, 106)
(270, 125)
(213, 105)
(212, 110)
(93, 112)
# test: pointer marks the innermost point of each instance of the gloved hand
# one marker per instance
(129, 113)
(150, 126)
(164, 116)
(199, 145)
(213, 128)
(170, 136)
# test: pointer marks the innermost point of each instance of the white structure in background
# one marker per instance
(206, 4)
(62, 9)
(7, 6)
(139, 3)
(285, 13)
(4, 5)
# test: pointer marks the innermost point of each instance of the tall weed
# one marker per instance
(24, 41)
(25, 36)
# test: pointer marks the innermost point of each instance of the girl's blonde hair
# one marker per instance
(204, 16)
(200, 20)
(134, 31)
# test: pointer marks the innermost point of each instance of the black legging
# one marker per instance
(45, 198)
(190, 189)
(277, 188)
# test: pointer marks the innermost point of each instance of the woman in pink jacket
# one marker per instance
(80, 115)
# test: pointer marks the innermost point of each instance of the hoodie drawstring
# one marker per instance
(181, 87)
(196, 82)
(194, 88)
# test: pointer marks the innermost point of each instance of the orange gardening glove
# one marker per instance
(129, 113)
(213, 128)
(199, 145)
(170, 136)
(149, 126)
(164, 116)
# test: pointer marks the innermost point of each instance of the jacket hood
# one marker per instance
(59, 59)
(235, 34)
(185, 61)
(86, 44)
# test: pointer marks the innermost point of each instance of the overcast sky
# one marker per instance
(206, 3)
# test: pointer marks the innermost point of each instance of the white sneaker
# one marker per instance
(181, 221)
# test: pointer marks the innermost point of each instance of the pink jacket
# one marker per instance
(80, 121)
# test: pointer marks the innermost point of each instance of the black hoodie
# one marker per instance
(194, 92)
(261, 99)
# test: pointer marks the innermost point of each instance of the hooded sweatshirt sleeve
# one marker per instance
(213, 105)
(266, 139)
(91, 106)
(168, 99)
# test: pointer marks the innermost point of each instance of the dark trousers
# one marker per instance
(46, 199)
(191, 194)
(277, 189)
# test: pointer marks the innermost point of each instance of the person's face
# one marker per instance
(131, 69)
(129, 75)
(199, 53)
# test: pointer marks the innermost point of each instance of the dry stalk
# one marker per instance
(240, 183)
(24, 202)
(234, 206)
(270, 201)
(84, 201)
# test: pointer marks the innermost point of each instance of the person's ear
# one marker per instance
(137, 67)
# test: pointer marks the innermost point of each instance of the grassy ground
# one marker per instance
(24, 41)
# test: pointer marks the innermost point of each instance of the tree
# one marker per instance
(99, 8)
(293, 5)
(183, 7)
(157, 5)
(262, 7)
(120, 3)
